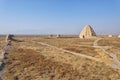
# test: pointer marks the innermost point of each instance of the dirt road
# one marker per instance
(74, 53)
(113, 56)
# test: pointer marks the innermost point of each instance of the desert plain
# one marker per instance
(62, 58)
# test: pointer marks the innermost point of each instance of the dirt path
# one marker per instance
(95, 45)
(113, 56)
(74, 53)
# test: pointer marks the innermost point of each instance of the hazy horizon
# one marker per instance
(59, 16)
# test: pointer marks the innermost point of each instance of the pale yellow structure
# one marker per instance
(110, 35)
(87, 32)
(118, 36)
(58, 35)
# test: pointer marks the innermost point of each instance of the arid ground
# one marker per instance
(50, 58)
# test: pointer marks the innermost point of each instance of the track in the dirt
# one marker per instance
(113, 56)
(95, 45)
(74, 53)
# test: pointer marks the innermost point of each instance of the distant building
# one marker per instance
(50, 36)
(110, 35)
(118, 36)
(87, 32)
(8, 38)
(58, 35)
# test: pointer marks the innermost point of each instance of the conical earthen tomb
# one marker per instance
(87, 32)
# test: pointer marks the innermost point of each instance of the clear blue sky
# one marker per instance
(59, 16)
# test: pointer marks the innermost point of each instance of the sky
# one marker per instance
(59, 16)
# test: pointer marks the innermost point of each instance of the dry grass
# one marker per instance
(32, 61)
(115, 42)
(29, 65)
(2, 42)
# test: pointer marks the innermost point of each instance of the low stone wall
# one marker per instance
(3, 55)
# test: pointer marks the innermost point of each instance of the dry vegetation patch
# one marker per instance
(83, 50)
(2, 42)
(29, 65)
(63, 42)
(115, 42)
(32, 61)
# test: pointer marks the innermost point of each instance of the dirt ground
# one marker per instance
(29, 60)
